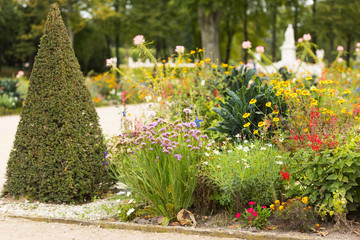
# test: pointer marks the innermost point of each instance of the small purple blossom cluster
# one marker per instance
(163, 137)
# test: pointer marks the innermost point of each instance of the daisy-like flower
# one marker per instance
(246, 44)
(253, 101)
(268, 104)
(260, 49)
(246, 125)
(246, 115)
(307, 37)
(180, 49)
(260, 124)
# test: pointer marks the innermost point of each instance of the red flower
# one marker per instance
(263, 207)
(251, 203)
(250, 218)
(255, 214)
(285, 175)
(237, 215)
(250, 210)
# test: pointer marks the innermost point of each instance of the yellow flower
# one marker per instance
(344, 110)
(277, 202)
(246, 115)
(224, 65)
(308, 78)
(260, 124)
(227, 72)
(272, 206)
(164, 61)
(268, 104)
(207, 59)
(281, 208)
(305, 200)
(252, 101)
(347, 92)
(231, 67)
(305, 92)
(313, 102)
(247, 124)
(340, 101)
(275, 119)
(276, 112)
(200, 50)
(256, 132)
(214, 66)
(305, 130)
(192, 52)
(200, 73)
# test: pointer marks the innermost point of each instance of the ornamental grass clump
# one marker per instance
(161, 165)
(58, 148)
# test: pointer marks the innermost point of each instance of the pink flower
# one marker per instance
(180, 49)
(251, 203)
(307, 37)
(237, 215)
(357, 49)
(263, 207)
(20, 74)
(300, 40)
(260, 49)
(250, 210)
(358, 44)
(340, 60)
(110, 62)
(340, 48)
(246, 44)
(139, 40)
(250, 218)
(255, 214)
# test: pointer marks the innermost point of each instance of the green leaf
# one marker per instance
(333, 176)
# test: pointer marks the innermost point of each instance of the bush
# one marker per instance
(161, 165)
(250, 109)
(249, 172)
(58, 148)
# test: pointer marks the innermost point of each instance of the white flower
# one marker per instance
(216, 152)
(259, 49)
(148, 98)
(243, 159)
(269, 145)
(246, 149)
(279, 162)
(239, 147)
(131, 210)
(131, 200)
(111, 62)
(206, 154)
(229, 151)
(120, 193)
(307, 37)
(118, 200)
(278, 156)
(247, 165)
(128, 194)
(129, 150)
(159, 99)
(218, 166)
(263, 148)
(187, 110)
(245, 141)
(139, 40)
(206, 163)
(202, 82)
(238, 161)
(237, 135)
(180, 49)
(20, 74)
(252, 145)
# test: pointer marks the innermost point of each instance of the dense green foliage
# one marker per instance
(58, 149)
(238, 104)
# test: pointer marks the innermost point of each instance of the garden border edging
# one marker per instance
(169, 229)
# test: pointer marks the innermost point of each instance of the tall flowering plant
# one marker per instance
(161, 165)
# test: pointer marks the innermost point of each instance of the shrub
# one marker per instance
(249, 172)
(250, 109)
(58, 148)
(161, 165)
(255, 216)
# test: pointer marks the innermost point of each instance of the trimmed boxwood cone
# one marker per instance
(58, 150)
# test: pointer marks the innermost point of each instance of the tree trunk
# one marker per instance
(348, 49)
(296, 19)
(332, 36)
(273, 44)
(230, 34)
(108, 46)
(117, 38)
(314, 35)
(246, 35)
(209, 24)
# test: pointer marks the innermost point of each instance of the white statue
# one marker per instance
(289, 36)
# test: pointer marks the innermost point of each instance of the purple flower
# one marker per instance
(166, 151)
(195, 148)
(143, 144)
(162, 130)
(209, 145)
(186, 135)
(194, 136)
(192, 131)
(185, 130)
(189, 140)
(189, 146)
(156, 159)
(106, 154)
(178, 156)
(151, 149)
(170, 148)
(204, 136)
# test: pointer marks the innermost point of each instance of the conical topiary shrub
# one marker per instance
(58, 150)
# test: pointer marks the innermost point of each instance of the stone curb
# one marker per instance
(162, 229)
